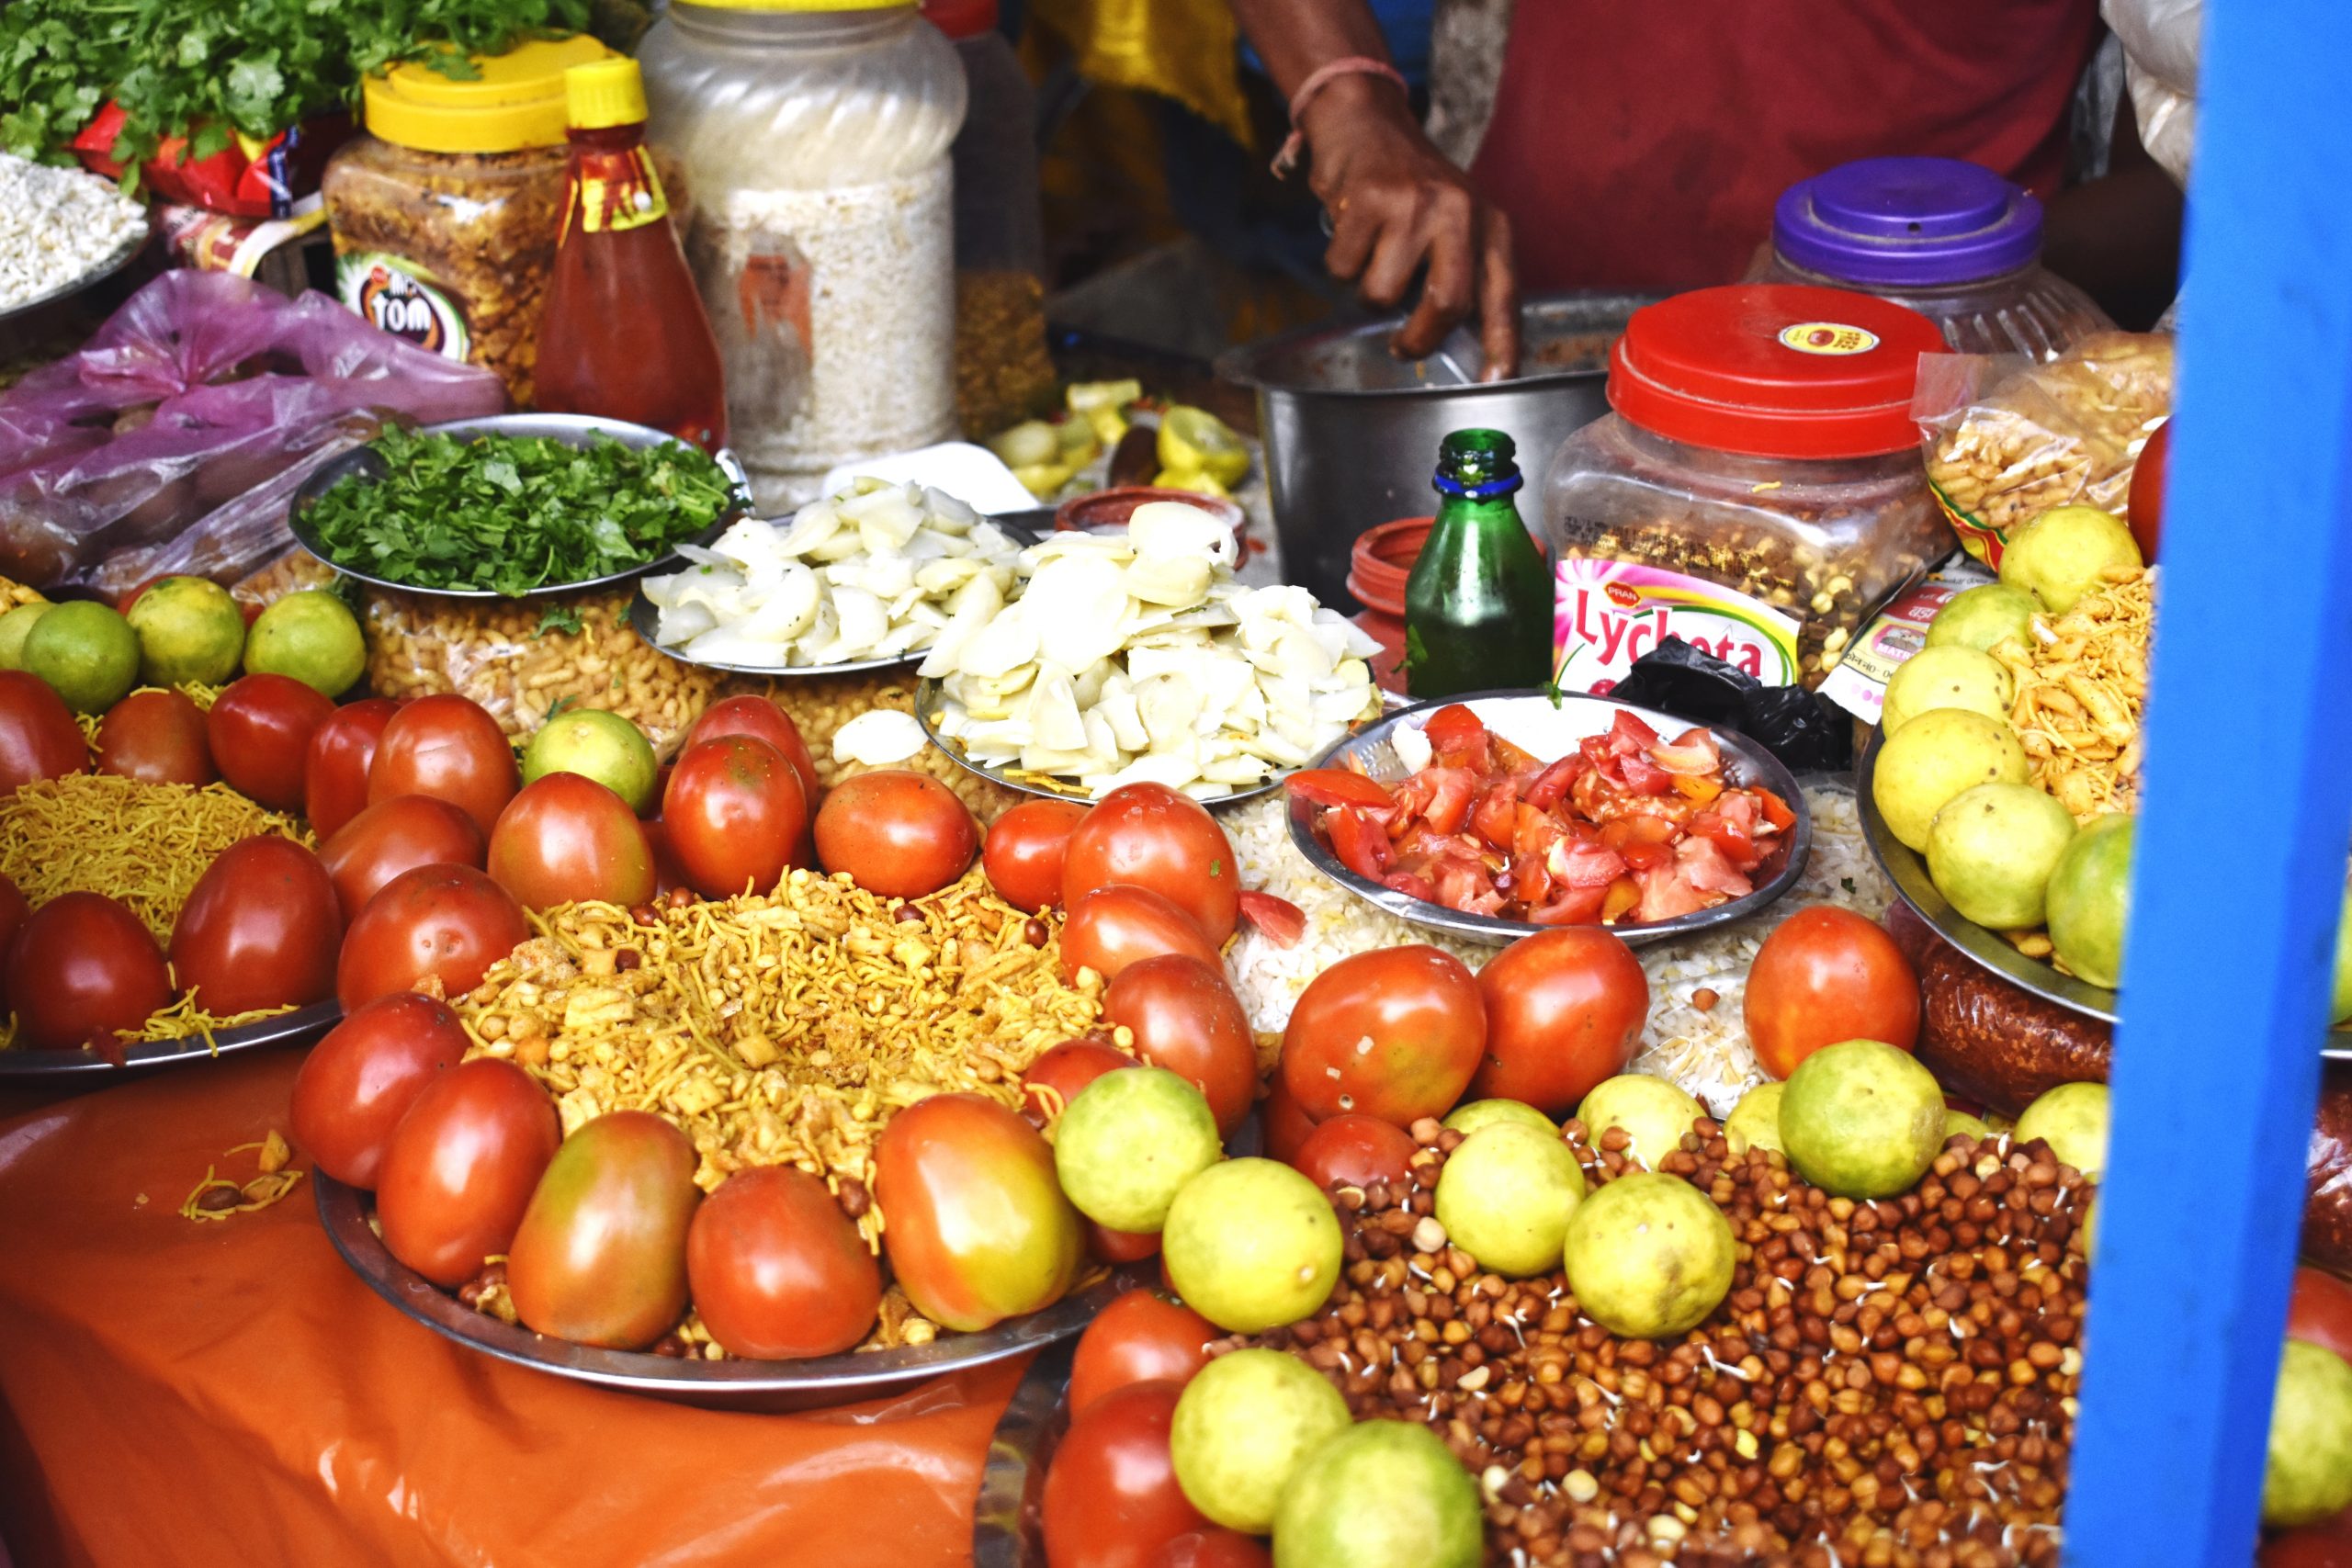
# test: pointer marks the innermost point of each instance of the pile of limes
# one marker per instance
(181, 631)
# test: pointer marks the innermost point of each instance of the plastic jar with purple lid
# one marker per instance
(1952, 240)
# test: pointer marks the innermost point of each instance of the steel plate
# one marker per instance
(111, 266)
(1008, 1522)
(1550, 729)
(80, 1068)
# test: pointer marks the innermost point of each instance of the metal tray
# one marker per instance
(80, 1068)
(927, 701)
(1008, 1521)
(1549, 729)
(18, 319)
(362, 464)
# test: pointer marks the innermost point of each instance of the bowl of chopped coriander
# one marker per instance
(513, 506)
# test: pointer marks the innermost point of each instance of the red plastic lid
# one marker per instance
(960, 18)
(1773, 370)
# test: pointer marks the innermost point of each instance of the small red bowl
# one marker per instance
(1107, 511)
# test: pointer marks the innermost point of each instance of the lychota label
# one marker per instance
(1608, 614)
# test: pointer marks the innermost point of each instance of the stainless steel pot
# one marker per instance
(1351, 432)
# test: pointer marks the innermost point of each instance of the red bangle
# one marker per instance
(1352, 65)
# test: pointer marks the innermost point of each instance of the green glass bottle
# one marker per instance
(1478, 605)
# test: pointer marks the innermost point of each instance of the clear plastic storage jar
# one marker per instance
(1953, 241)
(1755, 490)
(823, 239)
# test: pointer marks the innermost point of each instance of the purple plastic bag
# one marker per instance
(242, 383)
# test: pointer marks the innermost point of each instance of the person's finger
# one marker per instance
(1447, 291)
(1355, 229)
(1404, 247)
(1497, 297)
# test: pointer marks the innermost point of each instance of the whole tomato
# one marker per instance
(736, 814)
(14, 910)
(1054, 1079)
(1113, 927)
(359, 1080)
(449, 921)
(777, 1270)
(2145, 506)
(1419, 1010)
(1212, 1548)
(395, 836)
(335, 785)
(156, 737)
(461, 1167)
(759, 719)
(1147, 835)
(1186, 1019)
(39, 738)
(1142, 1336)
(259, 731)
(1565, 1009)
(1355, 1151)
(1110, 1498)
(83, 970)
(1025, 850)
(567, 840)
(1827, 974)
(897, 832)
(599, 1258)
(667, 873)
(449, 748)
(2328, 1544)
(1285, 1122)
(973, 1218)
(1115, 1248)
(260, 930)
(2320, 1311)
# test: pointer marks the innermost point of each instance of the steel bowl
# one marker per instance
(81, 1069)
(1351, 432)
(1008, 1522)
(67, 313)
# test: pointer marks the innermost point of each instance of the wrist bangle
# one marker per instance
(1352, 65)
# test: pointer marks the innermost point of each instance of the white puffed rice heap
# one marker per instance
(57, 227)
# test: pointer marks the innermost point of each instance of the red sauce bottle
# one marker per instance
(625, 334)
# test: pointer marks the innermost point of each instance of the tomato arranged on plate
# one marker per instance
(2320, 1310)
(777, 1270)
(14, 910)
(360, 1079)
(1186, 1019)
(1111, 1497)
(1354, 1151)
(1144, 1335)
(462, 1167)
(736, 814)
(396, 836)
(1026, 849)
(449, 748)
(1147, 835)
(260, 731)
(897, 832)
(449, 921)
(761, 719)
(156, 737)
(1213, 1548)
(82, 970)
(973, 1217)
(1283, 1123)
(1419, 1009)
(261, 930)
(1827, 974)
(39, 738)
(334, 785)
(566, 840)
(599, 1258)
(1565, 1009)
(1113, 927)
(1054, 1079)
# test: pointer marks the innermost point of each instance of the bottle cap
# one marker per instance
(1477, 465)
(1907, 223)
(604, 93)
(514, 100)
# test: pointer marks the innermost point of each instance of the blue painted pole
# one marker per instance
(2249, 801)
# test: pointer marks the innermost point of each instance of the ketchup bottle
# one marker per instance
(625, 334)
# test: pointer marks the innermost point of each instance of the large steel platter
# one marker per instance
(1007, 1529)
(81, 1069)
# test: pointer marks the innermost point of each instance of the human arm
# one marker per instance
(2118, 237)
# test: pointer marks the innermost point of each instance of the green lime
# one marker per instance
(1938, 754)
(1755, 1121)
(1467, 1119)
(311, 636)
(1946, 677)
(1252, 1245)
(2309, 1474)
(190, 633)
(2067, 552)
(2071, 1119)
(1128, 1144)
(86, 651)
(1244, 1424)
(1653, 1113)
(1862, 1119)
(598, 745)
(1505, 1197)
(2089, 899)
(1381, 1495)
(1648, 1255)
(1961, 1122)
(15, 627)
(1991, 849)
(1982, 617)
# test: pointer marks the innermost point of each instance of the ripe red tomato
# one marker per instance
(736, 812)
(599, 1258)
(2145, 506)
(2320, 1311)
(1147, 835)
(461, 1167)
(82, 970)
(1354, 1151)
(568, 839)
(1026, 849)
(897, 832)
(777, 1270)
(1565, 1009)
(1285, 1122)
(1111, 1497)
(14, 910)
(1113, 927)
(39, 738)
(156, 737)
(260, 930)
(1054, 1079)
(259, 731)
(667, 873)
(395, 836)
(449, 748)
(359, 1080)
(1213, 1548)
(1827, 974)
(1143, 1336)
(759, 719)
(1186, 1019)
(973, 1218)
(1420, 1009)
(334, 786)
(1117, 1248)
(449, 921)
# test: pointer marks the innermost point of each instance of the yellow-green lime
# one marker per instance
(598, 745)
(17, 626)
(1250, 1245)
(1381, 1495)
(1982, 617)
(1648, 1255)
(2308, 1476)
(311, 636)
(1128, 1145)
(2071, 1119)
(1505, 1197)
(1467, 1119)
(1959, 1123)
(2067, 552)
(190, 633)
(1755, 1121)
(1862, 1119)
(1948, 677)
(1654, 1114)
(1243, 1426)
(88, 652)
(1939, 754)
(2089, 899)
(1991, 850)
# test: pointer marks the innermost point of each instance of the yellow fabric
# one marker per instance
(517, 100)
(1178, 49)
(604, 93)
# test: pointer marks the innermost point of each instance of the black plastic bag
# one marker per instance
(1806, 731)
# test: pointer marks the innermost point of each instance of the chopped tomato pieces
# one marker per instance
(1339, 786)
(1283, 921)
(1360, 843)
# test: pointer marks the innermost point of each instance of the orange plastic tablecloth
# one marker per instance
(229, 1392)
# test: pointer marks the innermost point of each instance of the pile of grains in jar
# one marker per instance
(58, 227)
(1887, 1383)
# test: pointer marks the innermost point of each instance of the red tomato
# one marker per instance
(395, 836)
(2144, 507)
(449, 748)
(1111, 1497)
(260, 930)
(1338, 787)
(449, 921)
(1285, 1122)
(1565, 1009)
(156, 737)
(259, 731)
(1420, 1009)
(2320, 1311)
(334, 786)
(14, 910)
(1025, 850)
(973, 1218)
(1212, 1548)
(599, 1258)
(667, 873)
(1827, 974)
(39, 738)
(1113, 927)
(568, 839)
(1143, 1336)
(1117, 1248)
(1186, 1019)
(1355, 1151)
(358, 1082)
(1147, 835)
(736, 812)
(762, 720)
(1054, 1079)
(462, 1165)
(777, 1270)
(897, 832)
(83, 970)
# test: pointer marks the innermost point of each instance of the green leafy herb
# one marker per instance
(516, 514)
(558, 618)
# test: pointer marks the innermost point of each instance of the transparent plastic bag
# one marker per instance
(2161, 44)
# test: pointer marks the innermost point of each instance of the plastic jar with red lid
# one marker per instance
(1757, 488)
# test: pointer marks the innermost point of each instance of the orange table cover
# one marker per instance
(229, 1392)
